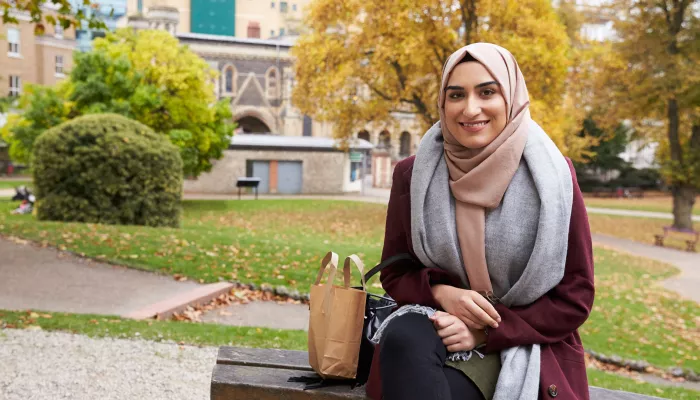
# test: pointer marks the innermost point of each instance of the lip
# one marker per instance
(474, 129)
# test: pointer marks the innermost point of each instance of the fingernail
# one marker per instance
(495, 325)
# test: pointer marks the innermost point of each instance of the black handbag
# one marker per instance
(377, 309)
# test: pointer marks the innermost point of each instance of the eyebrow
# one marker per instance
(475, 87)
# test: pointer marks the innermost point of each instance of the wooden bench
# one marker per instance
(261, 374)
(689, 236)
(604, 192)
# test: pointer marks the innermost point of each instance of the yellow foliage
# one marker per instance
(361, 61)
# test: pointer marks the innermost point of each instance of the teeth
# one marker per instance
(476, 124)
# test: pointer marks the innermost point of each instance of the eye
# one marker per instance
(487, 92)
(455, 95)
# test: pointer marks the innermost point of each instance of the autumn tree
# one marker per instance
(362, 61)
(50, 12)
(651, 78)
(147, 76)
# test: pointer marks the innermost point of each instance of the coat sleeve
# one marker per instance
(405, 282)
(563, 309)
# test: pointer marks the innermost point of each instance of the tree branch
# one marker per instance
(662, 4)
(378, 92)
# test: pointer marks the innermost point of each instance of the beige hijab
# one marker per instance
(480, 177)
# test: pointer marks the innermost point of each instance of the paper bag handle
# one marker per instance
(360, 266)
(330, 260)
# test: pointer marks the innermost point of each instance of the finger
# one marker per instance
(444, 322)
(473, 305)
(449, 331)
(487, 307)
(471, 321)
(452, 339)
(436, 315)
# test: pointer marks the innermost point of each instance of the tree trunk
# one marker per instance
(683, 202)
(683, 193)
(469, 20)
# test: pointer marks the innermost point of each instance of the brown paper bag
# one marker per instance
(335, 321)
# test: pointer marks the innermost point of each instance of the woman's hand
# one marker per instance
(467, 305)
(455, 334)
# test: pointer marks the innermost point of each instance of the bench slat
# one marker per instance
(243, 373)
(237, 382)
(270, 358)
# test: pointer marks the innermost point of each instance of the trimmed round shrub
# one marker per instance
(105, 168)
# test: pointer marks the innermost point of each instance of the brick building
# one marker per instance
(27, 58)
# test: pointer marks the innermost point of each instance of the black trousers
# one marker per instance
(412, 364)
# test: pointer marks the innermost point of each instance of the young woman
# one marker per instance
(493, 212)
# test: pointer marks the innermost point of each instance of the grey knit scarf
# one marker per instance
(526, 239)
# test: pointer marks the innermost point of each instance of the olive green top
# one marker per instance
(482, 371)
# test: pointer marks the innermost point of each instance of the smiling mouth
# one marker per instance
(474, 124)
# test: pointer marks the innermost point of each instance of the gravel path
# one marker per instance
(53, 365)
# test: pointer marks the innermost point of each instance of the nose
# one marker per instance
(472, 107)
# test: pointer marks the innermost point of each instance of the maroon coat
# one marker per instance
(552, 321)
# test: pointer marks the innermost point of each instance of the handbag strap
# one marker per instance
(360, 266)
(388, 262)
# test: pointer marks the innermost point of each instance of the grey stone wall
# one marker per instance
(244, 67)
(322, 172)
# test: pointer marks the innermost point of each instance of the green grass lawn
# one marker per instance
(185, 332)
(635, 318)
(13, 184)
(218, 335)
(638, 229)
(281, 242)
(615, 382)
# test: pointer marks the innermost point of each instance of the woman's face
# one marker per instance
(475, 108)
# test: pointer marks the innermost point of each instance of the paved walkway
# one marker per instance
(265, 314)
(46, 279)
(32, 277)
(635, 213)
(687, 283)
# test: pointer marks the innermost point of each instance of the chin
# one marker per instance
(476, 142)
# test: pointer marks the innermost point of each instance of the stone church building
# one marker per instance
(256, 76)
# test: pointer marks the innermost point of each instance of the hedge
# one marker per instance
(106, 168)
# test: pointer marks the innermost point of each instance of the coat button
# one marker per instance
(553, 390)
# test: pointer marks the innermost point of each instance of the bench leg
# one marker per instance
(659, 240)
(690, 245)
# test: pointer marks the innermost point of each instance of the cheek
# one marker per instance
(452, 109)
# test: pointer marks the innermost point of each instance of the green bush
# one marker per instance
(106, 168)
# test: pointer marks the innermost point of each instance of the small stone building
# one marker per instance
(286, 165)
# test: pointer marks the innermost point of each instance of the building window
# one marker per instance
(272, 5)
(58, 31)
(294, 7)
(354, 170)
(59, 65)
(272, 32)
(308, 126)
(405, 144)
(283, 6)
(281, 31)
(15, 86)
(254, 30)
(139, 6)
(272, 83)
(230, 77)
(13, 41)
